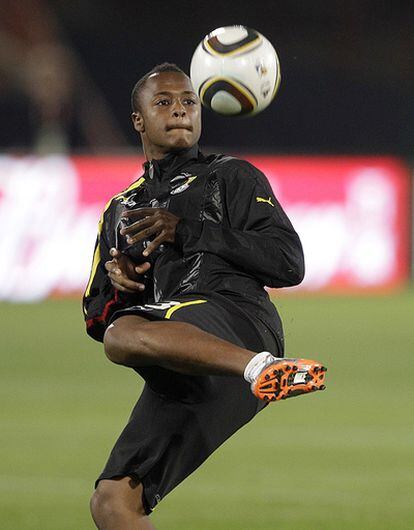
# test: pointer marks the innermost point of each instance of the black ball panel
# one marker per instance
(247, 99)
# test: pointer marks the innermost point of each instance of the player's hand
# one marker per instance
(124, 274)
(148, 222)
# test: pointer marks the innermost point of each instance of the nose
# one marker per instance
(178, 109)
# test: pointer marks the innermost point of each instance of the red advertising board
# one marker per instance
(352, 214)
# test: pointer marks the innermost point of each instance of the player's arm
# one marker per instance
(109, 288)
(257, 236)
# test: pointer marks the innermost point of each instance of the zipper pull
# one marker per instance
(151, 170)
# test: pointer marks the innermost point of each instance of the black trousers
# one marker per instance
(179, 420)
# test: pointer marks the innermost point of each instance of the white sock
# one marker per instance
(256, 365)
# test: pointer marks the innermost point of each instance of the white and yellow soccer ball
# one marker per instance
(235, 71)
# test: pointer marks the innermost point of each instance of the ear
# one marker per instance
(138, 122)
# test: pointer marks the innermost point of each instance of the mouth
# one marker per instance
(183, 127)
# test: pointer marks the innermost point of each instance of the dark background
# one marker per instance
(347, 71)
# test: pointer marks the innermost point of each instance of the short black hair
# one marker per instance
(163, 67)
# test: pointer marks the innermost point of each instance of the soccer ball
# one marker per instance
(235, 71)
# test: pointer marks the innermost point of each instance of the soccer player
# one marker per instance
(177, 293)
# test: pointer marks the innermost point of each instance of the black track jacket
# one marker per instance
(233, 238)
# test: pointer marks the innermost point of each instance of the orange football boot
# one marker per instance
(287, 378)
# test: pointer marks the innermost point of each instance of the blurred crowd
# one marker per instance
(48, 102)
(67, 68)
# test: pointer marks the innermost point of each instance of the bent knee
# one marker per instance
(113, 344)
(126, 340)
(113, 498)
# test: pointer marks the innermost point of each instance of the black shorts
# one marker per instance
(179, 420)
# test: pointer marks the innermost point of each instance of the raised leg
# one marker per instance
(134, 341)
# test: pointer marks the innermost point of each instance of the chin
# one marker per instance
(181, 143)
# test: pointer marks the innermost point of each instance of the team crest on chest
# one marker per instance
(181, 182)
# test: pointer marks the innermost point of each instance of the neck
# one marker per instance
(153, 153)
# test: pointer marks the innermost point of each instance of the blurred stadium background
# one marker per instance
(337, 146)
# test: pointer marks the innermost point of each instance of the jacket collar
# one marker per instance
(173, 161)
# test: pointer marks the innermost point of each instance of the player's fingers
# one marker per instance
(156, 228)
(120, 287)
(125, 281)
(155, 243)
(143, 268)
(137, 226)
(119, 280)
(111, 266)
(115, 253)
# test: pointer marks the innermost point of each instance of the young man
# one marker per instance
(177, 293)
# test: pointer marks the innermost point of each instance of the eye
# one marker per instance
(162, 102)
(190, 101)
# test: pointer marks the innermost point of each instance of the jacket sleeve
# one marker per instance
(101, 299)
(255, 234)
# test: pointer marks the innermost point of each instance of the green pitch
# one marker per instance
(339, 459)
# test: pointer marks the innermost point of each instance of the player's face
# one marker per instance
(170, 117)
